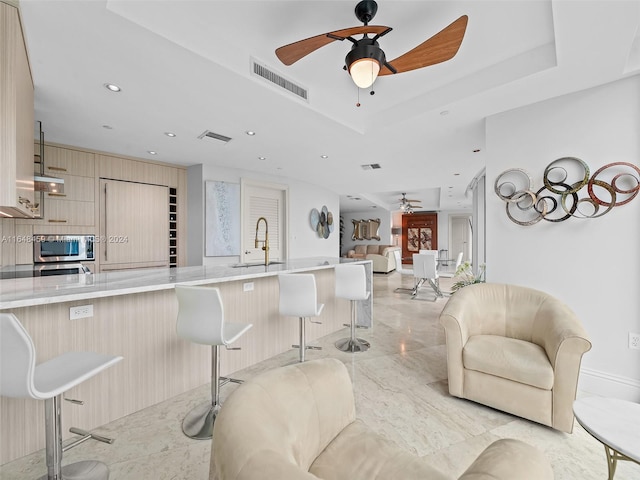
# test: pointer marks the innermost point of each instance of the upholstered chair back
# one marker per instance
(521, 313)
(286, 416)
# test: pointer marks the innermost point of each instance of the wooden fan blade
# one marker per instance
(289, 54)
(441, 47)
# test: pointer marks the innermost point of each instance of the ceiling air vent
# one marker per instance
(371, 166)
(266, 73)
(208, 134)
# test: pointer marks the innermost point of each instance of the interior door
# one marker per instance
(460, 237)
(268, 202)
(134, 225)
(419, 232)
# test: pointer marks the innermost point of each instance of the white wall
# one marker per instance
(384, 231)
(303, 197)
(591, 264)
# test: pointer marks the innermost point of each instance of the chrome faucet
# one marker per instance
(265, 242)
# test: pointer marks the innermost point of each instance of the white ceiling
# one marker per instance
(185, 67)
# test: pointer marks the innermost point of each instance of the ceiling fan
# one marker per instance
(407, 205)
(366, 60)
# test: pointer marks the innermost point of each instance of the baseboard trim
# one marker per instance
(609, 385)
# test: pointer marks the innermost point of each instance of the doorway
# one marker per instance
(460, 237)
(268, 201)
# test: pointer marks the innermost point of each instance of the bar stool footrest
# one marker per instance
(308, 347)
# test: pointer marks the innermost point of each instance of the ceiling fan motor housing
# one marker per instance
(365, 48)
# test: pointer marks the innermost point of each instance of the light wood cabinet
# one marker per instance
(76, 205)
(68, 212)
(60, 161)
(16, 118)
(134, 225)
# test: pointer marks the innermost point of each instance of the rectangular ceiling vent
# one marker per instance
(268, 74)
(208, 134)
(371, 166)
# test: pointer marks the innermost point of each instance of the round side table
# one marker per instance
(614, 423)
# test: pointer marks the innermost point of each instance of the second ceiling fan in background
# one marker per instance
(408, 205)
(366, 60)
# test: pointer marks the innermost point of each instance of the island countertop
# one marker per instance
(26, 292)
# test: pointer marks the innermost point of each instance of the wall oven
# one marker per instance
(62, 248)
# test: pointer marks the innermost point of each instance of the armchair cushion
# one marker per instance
(509, 358)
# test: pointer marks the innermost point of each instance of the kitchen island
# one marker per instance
(133, 314)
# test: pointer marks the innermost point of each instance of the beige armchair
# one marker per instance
(515, 349)
(298, 423)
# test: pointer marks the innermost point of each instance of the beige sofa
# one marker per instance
(515, 349)
(298, 423)
(380, 255)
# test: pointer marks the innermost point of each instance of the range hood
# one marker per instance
(48, 184)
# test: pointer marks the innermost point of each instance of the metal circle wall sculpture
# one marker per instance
(322, 221)
(559, 197)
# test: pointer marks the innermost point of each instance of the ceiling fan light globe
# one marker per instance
(364, 62)
(364, 72)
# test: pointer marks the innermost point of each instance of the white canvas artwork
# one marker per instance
(222, 219)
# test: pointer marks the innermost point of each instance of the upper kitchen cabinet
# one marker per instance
(16, 119)
(76, 205)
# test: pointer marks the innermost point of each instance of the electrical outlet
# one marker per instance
(81, 311)
(634, 340)
(247, 287)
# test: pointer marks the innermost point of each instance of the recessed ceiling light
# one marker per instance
(324, 156)
(170, 134)
(112, 87)
(108, 127)
(262, 158)
(151, 152)
(250, 133)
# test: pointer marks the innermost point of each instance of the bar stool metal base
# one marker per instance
(352, 345)
(85, 470)
(198, 424)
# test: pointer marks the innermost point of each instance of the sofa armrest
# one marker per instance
(507, 459)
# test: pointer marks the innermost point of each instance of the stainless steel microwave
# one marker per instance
(63, 248)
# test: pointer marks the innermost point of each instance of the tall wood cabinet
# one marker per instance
(134, 225)
(16, 119)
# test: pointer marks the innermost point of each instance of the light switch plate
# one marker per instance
(247, 287)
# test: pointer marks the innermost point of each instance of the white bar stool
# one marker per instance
(351, 283)
(298, 298)
(21, 378)
(201, 320)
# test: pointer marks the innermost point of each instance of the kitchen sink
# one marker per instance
(254, 264)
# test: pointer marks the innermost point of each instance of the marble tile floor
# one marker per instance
(401, 392)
